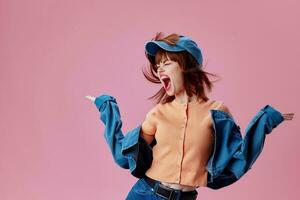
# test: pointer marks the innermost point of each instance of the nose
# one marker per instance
(160, 70)
(160, 66)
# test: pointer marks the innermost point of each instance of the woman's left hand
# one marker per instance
(92, 98)
(288, 116)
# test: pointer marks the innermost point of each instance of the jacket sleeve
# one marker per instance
(130, 151)
(233, 156)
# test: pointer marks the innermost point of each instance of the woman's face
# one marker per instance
(170, 75)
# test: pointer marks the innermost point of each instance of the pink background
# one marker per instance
(54, 52)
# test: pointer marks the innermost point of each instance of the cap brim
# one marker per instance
(152, 47)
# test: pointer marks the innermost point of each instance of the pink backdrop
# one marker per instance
(54, 52)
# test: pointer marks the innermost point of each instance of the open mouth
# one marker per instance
(166, 82)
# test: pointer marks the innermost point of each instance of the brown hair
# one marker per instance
(195, 78)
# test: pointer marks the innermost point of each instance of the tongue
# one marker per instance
(168, 85)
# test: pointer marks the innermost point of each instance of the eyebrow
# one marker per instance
(165, 61)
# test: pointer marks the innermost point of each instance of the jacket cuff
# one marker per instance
(274, 113)
(102, 99)
(137, 152)
(131, 139)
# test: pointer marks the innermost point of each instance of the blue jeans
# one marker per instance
(141, 190)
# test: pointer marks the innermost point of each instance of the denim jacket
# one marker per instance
(232, 155)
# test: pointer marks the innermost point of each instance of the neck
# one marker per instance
(183, 98)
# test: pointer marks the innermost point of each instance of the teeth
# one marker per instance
(164, 77)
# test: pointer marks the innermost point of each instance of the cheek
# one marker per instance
(178, 80)
(176, 75)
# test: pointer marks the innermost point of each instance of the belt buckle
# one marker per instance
(165, 187)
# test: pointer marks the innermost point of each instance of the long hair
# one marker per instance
(196, 80)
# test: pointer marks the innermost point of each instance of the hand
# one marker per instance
(288, 116)
(90, 98)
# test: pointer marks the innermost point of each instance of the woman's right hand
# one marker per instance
(90, 98)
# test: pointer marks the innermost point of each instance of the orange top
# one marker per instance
(184, 141)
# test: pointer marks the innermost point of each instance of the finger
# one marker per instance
(90, 98)
(288, 113)
(288, 117)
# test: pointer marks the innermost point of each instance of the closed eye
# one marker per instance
(165, 63)
(157, 66)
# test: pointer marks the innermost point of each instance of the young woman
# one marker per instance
(193, 141)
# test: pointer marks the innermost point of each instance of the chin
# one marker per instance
(171, 93)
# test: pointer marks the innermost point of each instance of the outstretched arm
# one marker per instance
(110, 116)
(129, 151)
(262, 124)
(234, 155)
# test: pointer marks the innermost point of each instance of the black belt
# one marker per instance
(170, 193)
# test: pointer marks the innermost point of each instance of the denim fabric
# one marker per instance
(232, 156)
(141, 190)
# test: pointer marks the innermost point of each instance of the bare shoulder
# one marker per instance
(151, 112)
(220, 105)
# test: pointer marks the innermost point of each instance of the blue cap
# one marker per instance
(184, 43)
